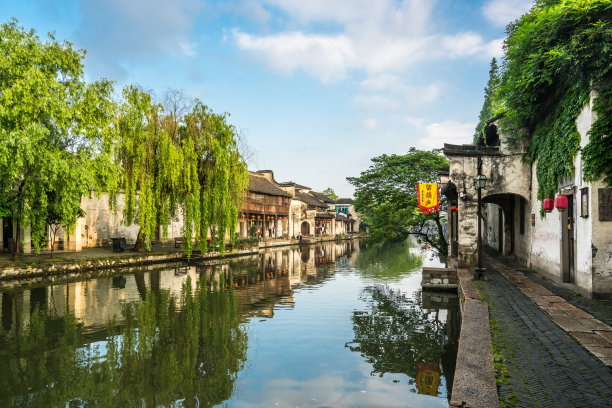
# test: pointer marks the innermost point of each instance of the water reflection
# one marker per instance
(175, 338)
(389, 262)
(412, 335)
(165, 350)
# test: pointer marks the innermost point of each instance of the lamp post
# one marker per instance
(480, 182)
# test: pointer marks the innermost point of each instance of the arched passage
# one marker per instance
(305, 228)
(506, 220)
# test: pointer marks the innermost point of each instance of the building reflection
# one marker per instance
(262, 282)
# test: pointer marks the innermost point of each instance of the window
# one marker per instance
(342, 209)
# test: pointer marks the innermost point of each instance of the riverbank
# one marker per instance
(93, 259)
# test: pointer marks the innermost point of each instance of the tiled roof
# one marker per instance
(309, 199)
(322, 197)
(325, 215)
(260, 184)
(344, 201)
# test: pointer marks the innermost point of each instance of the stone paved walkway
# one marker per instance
(546, 366)
(601, 309)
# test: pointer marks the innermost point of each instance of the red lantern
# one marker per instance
(547, 204)
(252, 217)
(259, 217)
(561, 203)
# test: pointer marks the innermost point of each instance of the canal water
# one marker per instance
(329, 325)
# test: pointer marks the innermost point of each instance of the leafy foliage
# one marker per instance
(56, 139)
(165, 352)
(555, 55)
(394, 334)
(388, 263)
(188, 166)
(492, 104)
(330, 193)
(386, 197)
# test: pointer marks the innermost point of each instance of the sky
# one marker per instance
(315, 88)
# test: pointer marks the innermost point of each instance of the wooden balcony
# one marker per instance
(263, 208)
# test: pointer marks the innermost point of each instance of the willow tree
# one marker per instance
(56, 138)
(179, 167)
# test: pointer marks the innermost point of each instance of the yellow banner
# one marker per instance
(428, 197)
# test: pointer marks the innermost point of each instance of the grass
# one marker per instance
(501, 349)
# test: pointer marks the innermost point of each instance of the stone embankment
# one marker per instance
(474, 384)
(98, 259)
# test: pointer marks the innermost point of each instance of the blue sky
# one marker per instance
(316, 87)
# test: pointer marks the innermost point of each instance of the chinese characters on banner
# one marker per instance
(428, 197)
(428, 379)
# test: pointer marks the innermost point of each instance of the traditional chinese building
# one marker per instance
(570, 243)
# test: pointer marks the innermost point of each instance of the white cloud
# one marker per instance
(188, 48)
(389, 93)
(119, 32)
(253, 10)
(325, 57)
(453, 132)
(502, 12)
(370, 124)
(381, 38)
(471, 44)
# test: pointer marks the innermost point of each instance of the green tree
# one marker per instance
(56, 134)
(386, 197)
(185, 166)
(492, 103)
(556, 54)
(330, 193)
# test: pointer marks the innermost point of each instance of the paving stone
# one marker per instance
(547, 367)
(601, 352)
(595, 324)
(605, 334)
(568, 323)
(590, 339)
(581, 314)
(554, 299)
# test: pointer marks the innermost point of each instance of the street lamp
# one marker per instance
(480, 182)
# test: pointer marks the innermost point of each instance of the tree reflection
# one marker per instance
(395, 335)
(388, 262)
(164, 352)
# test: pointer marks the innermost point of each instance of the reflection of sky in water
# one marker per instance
(299, 358)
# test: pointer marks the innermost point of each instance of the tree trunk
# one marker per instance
(444, 245)
(16, 245)
(139, 246)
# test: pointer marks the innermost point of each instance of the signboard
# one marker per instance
(428, 379)
(605, 204)
(428, 197)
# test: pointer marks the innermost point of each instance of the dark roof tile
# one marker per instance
(259, 184)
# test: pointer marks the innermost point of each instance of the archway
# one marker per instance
(305, 228)
(507, 222)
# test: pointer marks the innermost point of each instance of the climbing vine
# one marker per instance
(597, 155)
(556, 54)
